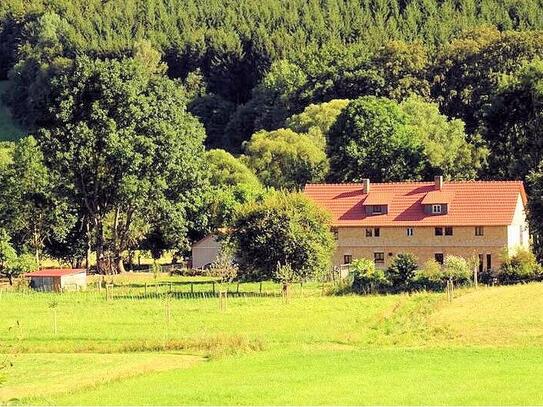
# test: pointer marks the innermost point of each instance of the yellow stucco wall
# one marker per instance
(423, 244)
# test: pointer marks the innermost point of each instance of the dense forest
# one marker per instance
(154, 122)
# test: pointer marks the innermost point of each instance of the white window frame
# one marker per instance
(379, 211)
(410, 231)
(437, 208)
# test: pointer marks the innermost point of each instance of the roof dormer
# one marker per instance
(437, 202)
(377, 203)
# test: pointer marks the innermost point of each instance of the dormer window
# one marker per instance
(437, 202)
(377, 203)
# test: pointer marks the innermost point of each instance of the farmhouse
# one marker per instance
(429, 219)
(58, 279)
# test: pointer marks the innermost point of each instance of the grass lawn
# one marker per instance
(338, 377)
(486, 347)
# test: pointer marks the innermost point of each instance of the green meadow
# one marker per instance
(484, 347)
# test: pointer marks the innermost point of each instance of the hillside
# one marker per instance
(9, 130)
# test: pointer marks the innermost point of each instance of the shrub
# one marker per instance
(521, 266)
(401, 272)
(341, 287)
(429, 276)
(456, 269)
(366, 278)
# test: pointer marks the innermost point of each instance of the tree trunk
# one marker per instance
(10, 278)
(101, 266)
(120, 264)
(89, 248)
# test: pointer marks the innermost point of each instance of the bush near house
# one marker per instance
(366, 278)
(521, 266)
(401, 272)
(404, 274)
(428, 277)
(457, 269)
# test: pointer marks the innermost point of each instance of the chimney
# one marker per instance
(366, 183)
(438, 180)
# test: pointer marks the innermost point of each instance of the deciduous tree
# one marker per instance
(125, 144)
(372, 139)
(285, 159)
(283, 229)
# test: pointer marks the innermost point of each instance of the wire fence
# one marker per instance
(194, 290)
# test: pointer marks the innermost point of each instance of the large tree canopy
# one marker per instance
(445, 142)
(232, 184)
(371, 139)
(467, 71)
(32, 208)
(513, 124)
(283, 229)
(285, 159)
(132, 154)
(317, 119)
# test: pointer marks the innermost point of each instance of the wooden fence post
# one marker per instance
(191, 287)
(261, 287)
(145, 292)
(213, 287)
(450, 289)
(237, 289)
(223, 299)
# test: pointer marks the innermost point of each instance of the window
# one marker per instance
(439, 257)
(479, 231)
(347, 259)
(436, 208)
(438, 231)
(379, 257)
(335, 233)
(489, 262)
(369, 232)
(409, 231)
(377, 209)
(448, 231)
(481, 260)
(376, 232)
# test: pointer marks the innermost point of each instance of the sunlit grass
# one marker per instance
(484, 347)
(375, 376)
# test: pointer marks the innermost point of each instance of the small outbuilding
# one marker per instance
(205, 251)
(58, 279)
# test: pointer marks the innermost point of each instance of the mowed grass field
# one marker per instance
(485, 347)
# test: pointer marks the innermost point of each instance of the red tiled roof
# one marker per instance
(472, 203)
(378, 198)
(437, 197)
(54, 272)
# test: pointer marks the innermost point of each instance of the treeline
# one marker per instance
(234, 42)
(157, 122)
